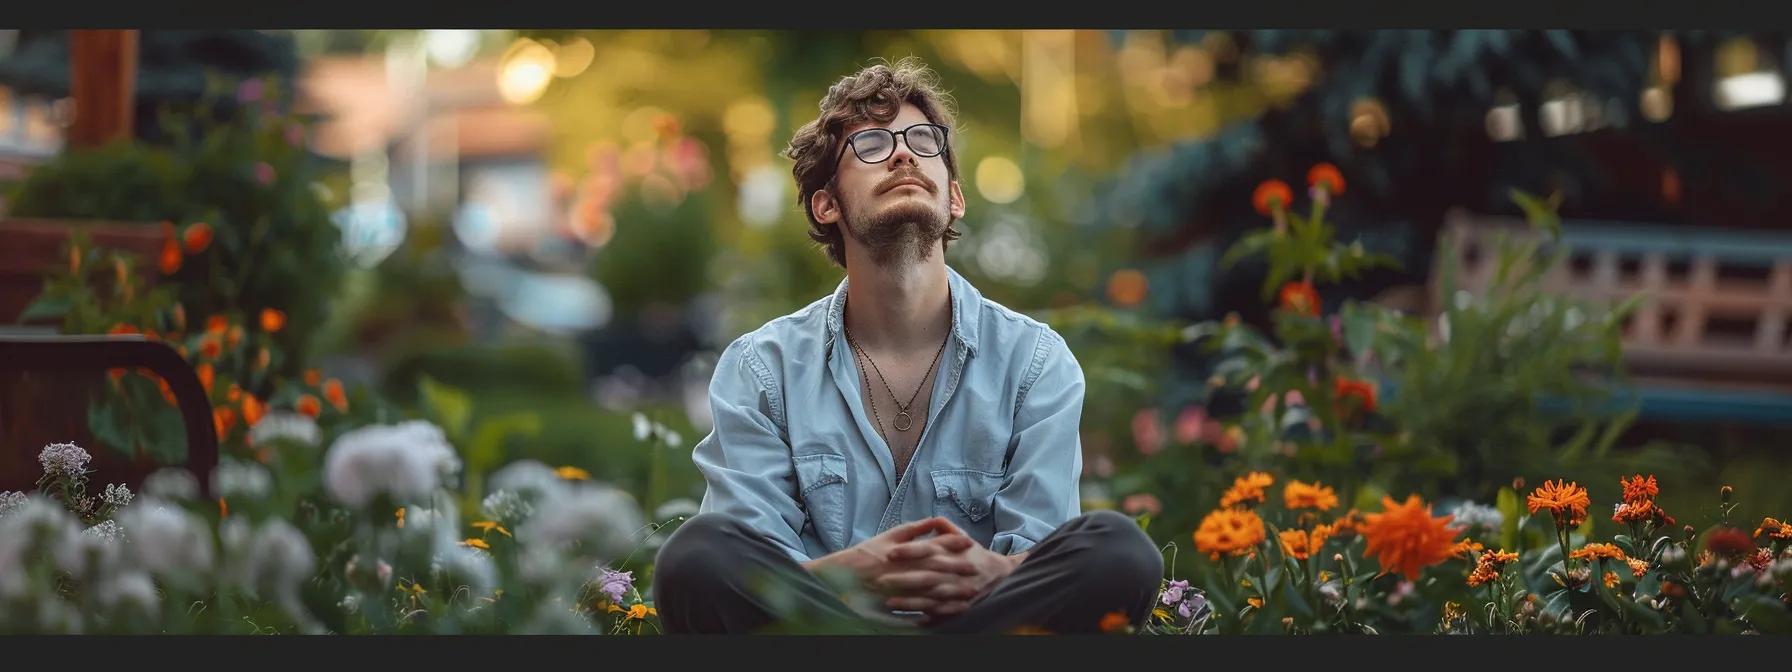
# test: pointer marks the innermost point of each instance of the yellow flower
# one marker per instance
(476, 543)
(641, 611)
(1255, 602)
(1324, 576)
(573, 473)
(1637, 567)
(1160, 614)
(1247, 489)
(1300, 495)
(488, 525)
(400, 515)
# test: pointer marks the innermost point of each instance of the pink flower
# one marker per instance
(264, 173)
(1146, 433)
(1188, 424)
(249, 91)
(295, 134)
(1144, 502)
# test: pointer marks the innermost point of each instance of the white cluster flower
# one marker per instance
(407, 461)
(1475, 516)
(166, 539)
(285, 425)
(532, 481)
(506, 506)
(37, 522)
(64, 459)
(96, 549)
(605, 519)
(236, 478)
(118, 496)
(11, 500)
(645, 428)
(172, 484)
(133, 589)
(108, 530)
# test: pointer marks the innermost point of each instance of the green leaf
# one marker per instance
(1507, 502)
(45, 307)
(1767, 614)
(447, 404)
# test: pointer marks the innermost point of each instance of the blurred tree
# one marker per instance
(172, 66)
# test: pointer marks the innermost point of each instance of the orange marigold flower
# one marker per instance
(253, 410)
(234, 336)
(170, 261)
(1488, 566)
(1301, 545)
(1405, 538)
(197, 237)
(1638, 489)
(641, 611)
(1327, 176)
(205, 376)
(223, 419)
(1298, 495)
(573, 473)
(1346, 524)
(1592, 552)
(1246, 489)
(1637, 512)
(309, 405)
(1229, 532)
(1300, 298)
(1254, 601)
(1637, 567)
(1566, 501)
(1774, 529)
(272, 320)
(1462, 549)
(1730, 542)
(217, 324)
(1611, 579)
(1127, 287)
(313, 377)
(1363, 391)
(209, 347)
(1272, 195)
(1114, 621)
(333, 393)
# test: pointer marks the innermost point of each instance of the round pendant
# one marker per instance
(903, 422)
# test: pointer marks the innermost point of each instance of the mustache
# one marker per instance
(890, 182)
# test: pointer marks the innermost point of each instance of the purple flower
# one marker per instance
(63, 459)
(1184, 610)
(249, 91)
(1173, 594)
(615, 584)
(1195, 605)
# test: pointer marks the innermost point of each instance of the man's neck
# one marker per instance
(902, 308)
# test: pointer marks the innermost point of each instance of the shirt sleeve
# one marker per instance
(745, 460)
(1040, 492)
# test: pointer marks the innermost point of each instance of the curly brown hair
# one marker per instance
(874, 94)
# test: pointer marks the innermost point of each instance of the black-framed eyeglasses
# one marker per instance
(877, 145)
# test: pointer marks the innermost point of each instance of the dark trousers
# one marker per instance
(716, 575)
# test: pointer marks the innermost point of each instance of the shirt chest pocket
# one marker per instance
(965, 496)
(821, 483)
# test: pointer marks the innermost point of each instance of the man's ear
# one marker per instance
(955, 200)
(825, 207)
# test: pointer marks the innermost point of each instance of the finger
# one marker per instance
(911, 582)
(945, 610)
(912, 530)
(944, 564)
(955, 543)
(946, 527)
(911, 551)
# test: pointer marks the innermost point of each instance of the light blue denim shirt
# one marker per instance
(794, 455)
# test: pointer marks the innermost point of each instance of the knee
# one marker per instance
(696, 555)
(1123, 552)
